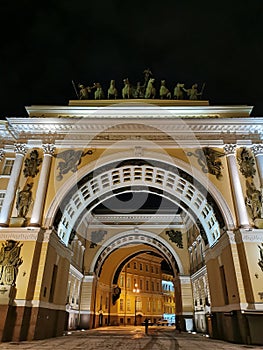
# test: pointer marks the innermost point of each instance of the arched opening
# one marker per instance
(172, 209)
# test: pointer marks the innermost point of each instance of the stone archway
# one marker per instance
(145, 177)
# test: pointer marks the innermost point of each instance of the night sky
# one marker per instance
(47, 44)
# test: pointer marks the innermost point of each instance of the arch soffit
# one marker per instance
(154, 156)
(138, 237)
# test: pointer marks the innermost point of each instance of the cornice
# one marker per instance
(215, 131)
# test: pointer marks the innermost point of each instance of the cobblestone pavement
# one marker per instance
(128, 338)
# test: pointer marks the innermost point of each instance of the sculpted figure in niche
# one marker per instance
(24, 199)
(9, 261)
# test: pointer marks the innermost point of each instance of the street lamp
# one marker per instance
(135, 290)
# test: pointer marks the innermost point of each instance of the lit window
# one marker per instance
(7, 168)
(128, 304)
(121, 305)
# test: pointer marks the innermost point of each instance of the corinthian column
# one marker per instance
(258, 152)
(239, 201)
(20, 150)
(38, 207)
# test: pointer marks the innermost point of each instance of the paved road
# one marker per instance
(128, 338)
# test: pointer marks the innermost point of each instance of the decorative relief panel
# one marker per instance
(209, 161)
(32, 163)
(9, 262)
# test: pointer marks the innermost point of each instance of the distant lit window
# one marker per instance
(7, 168)
(128, 282)
(141, 287)
(121, 281)
(128, 304)
(2, 196)
(121, 305)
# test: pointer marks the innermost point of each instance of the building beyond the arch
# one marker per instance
(88, 188)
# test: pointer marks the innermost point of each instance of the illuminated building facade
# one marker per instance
(87, 188)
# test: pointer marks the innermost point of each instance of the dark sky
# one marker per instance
(46, 44)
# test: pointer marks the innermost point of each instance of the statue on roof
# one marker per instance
(84, 92)
(179, 91)
(164, 91)
(127, 89)
(98, 94)
(150, 89)
(193, 92)
(112, 91)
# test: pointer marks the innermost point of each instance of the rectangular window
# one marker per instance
(121, 281)
(2, 196)
(121, 305)
(129, 282)
(141, 267)
(135, 265)
(128, 305)
(7, 168)
(53, 283)
(147, 285)
(148, 305)
(147, 268)
(141, 285)
(224, 286)
(153, 286)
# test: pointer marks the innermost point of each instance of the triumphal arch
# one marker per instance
(86, 188)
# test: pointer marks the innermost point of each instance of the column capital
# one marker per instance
(257, 149)
(230, 149)
(20, 148)
(49, 148)
(2, 153)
